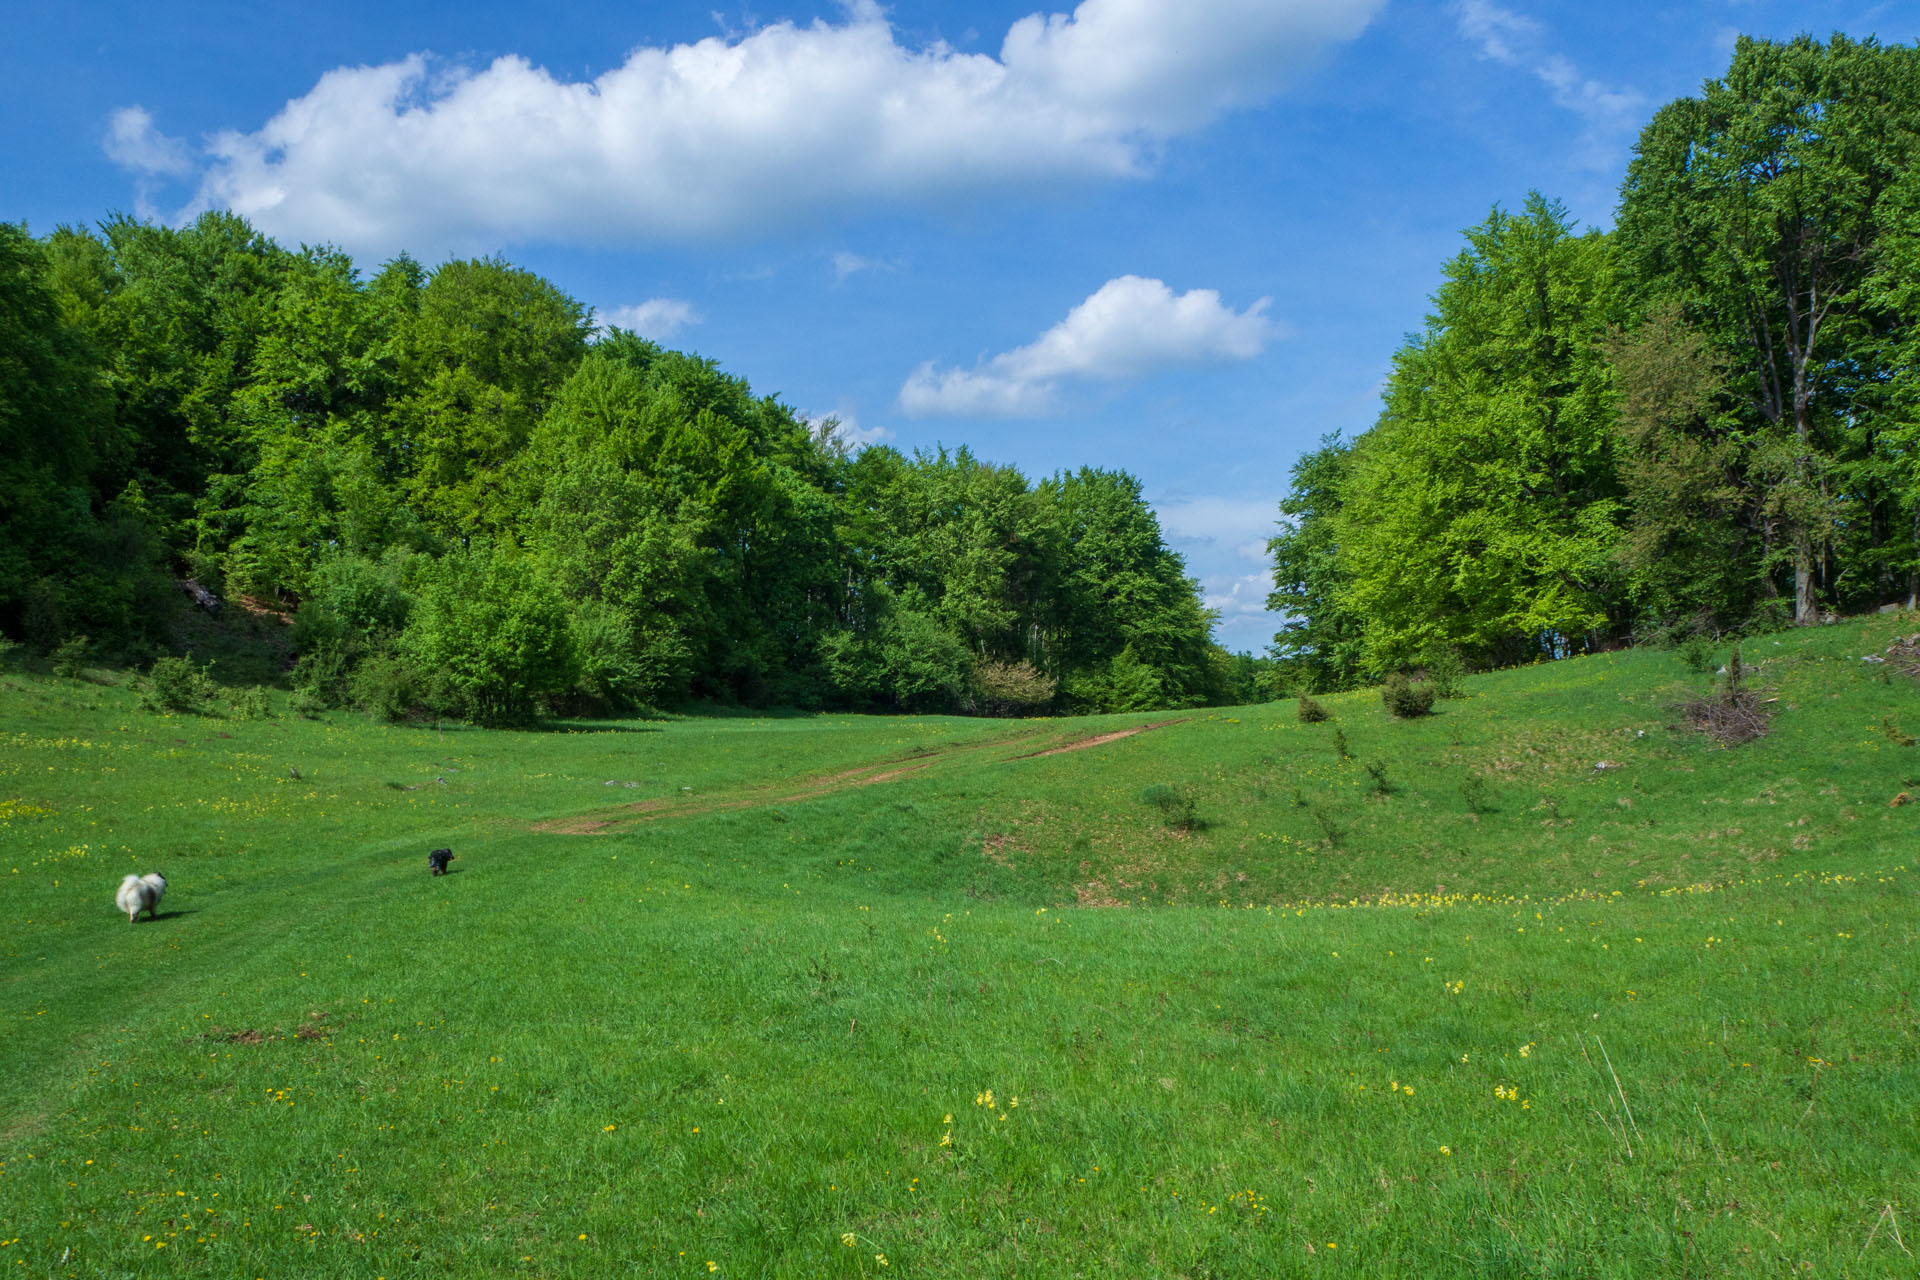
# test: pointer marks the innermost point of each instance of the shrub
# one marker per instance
(70, 657)
(1475, 791)
(383, 686)
(1340, 744)
(1176, 805)
(1447, 673)
(1311, 712)
(1011, 688)
(494, 633)
(175, 684)
(1406, 698)
(1697, 652)
(306, 704)
(1377, 770)
(1329, 825)
(252, 705)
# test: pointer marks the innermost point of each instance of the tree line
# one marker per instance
(469, 499)
(1702, 420)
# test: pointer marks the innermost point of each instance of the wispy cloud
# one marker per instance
(1237, 596)
(1611, 113)
(657, 318)
(1240, 524)
(852, 264)
(1129, 328)
(135, 145)
(687, 142)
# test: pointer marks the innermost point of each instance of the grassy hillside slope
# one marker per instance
(843, 996)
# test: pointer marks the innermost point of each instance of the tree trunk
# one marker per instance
(1913, 572)
(1804, 609)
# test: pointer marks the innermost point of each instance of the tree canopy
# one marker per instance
(474, 501)
(1703, 419)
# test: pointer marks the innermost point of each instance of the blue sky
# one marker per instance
(1179, 237)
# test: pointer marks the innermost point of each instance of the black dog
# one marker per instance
(439, 859)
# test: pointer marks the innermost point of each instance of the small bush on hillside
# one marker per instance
(1447, 673)
(175, 684)
(1340, 744)
(1311, 712)
(1329, 825)
(1475, 790)
(1697, 652)
(1406, 698)
(252, 705)
(306, 704)
(1377, 770)
(1176, 805)
(70, 658)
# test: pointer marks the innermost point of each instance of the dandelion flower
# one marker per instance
(848, 1239)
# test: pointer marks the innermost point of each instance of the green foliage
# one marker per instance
(1340, 748)
(493, 633)
(1310, 711)
(1175, 805)
(197, 400)
(1377, 771)
(1697, 652)
(70, 658)
(176, 684)
(1755, 212)
(1477, 793)
(252, 703)
(1322, 642)
(1405, 697)
(1479, 512)
(385, 686)
(1446, 672)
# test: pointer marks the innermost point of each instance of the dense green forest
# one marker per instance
(1703, 420)
(467, 499)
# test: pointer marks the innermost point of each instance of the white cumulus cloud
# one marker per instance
(736, 134)
(657, 319)
(1129, 328)
(133, 143)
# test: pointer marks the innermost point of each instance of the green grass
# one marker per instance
(1653, 1019)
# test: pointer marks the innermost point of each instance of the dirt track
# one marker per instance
(792, 790)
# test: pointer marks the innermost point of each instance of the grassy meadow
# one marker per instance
(838, 996)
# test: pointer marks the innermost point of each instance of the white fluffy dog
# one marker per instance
(140, 893)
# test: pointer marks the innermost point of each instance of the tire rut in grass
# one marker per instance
(609, 821)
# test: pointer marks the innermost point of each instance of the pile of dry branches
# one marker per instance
(1732, 714)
